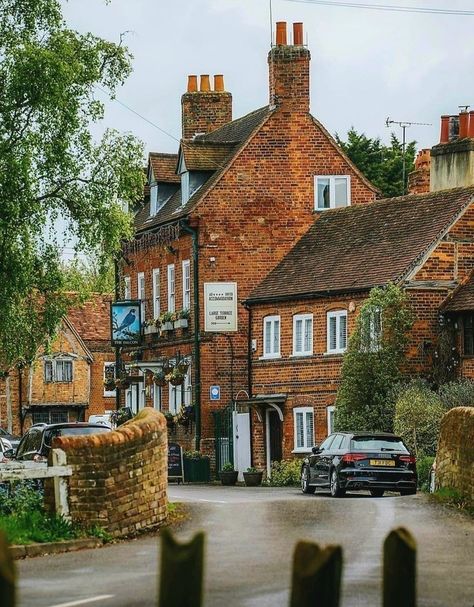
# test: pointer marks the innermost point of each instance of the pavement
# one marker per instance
(251, 534)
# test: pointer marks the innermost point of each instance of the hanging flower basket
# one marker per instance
(189, 412)
(122, 383)
(175, 378)
(109, 384)
(167, 367)
(182, 367)
(170, 420)
(159, 379)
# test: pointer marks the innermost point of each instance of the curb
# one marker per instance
(20, 552)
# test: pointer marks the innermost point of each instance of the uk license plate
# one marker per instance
(382, 462)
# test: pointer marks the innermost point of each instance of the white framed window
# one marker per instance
(153, 199)
(109, 373)
(332, 192)
(180, 396)
(302, 334)
(271, 337)
(373, 337)
(58, 370)
(330, 418)
(127, 287)
(157, 397)
(141, 292)
(303, 419)
(337, 332)
(171, 288)
(186, 284)
(156, 292)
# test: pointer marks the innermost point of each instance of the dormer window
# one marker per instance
(331, 192)
(185, 193)
(153, 199)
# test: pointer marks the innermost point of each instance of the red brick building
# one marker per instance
(305, 309)
(223, 212)
(66, 380)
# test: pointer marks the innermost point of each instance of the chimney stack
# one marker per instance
(204, 110)
(289, 70)
(452, 160)
(419, 179)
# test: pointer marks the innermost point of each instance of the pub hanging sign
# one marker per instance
(125, 323)
(220, 306)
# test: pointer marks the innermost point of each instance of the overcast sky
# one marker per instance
(366, 65)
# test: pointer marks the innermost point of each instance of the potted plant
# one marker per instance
(123, 383)
(166, 321)
(109, 384)
(197, 467)
(182, 366)
(253, 477)
(159, 378)
(122, 415)
(176, 377)
(182, 320)
(228, 475)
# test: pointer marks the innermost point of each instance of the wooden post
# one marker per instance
(7, 574)
(60, 485)
(399, 569)
(178, 560)
(316, 580)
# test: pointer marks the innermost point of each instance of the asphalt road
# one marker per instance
(251, 534)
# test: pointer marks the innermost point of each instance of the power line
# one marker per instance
(389, 7)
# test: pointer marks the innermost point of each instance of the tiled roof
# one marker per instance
(164, 167)
(360, 247)
(235, 133)
(205, 156)
(91, 320)
(462, 299)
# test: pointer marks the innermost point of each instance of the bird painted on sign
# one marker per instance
(127, 321)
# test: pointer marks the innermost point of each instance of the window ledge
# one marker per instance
(335, 353)
(305, 355)
(301, 450)
(270, 357)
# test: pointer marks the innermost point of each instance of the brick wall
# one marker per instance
(119, 478)
(455, 455)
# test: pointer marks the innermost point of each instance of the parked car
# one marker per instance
(11, 438)
(36, 443)
(348, 461)
(5, 445)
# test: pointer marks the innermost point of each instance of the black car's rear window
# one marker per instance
(377, 443)
(81, 430)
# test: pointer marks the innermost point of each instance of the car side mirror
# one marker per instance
(10, 453)
(315, 450)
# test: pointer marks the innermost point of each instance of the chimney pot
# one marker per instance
(205, 83)
(281, 33)
(453, 127)
(298, 34)
(192, 84)
(470, 129)
(463, 124)
(219, 83)
(444, 138)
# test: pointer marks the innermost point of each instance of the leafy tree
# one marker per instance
(85, 277)
(372, 363)
(50, 167)
(381, 164)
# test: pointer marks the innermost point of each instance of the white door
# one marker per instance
(241, 442)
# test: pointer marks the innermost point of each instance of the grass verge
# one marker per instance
(453, 499)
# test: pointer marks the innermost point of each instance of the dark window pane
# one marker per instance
(468, 337)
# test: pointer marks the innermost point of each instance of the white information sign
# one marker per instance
(220, 306)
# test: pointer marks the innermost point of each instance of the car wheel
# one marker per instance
(376, 492)
(336, 490)
(408, 492)
(305, 486)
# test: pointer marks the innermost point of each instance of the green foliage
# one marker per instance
(228, 467)
(36, 526)
(372, 363)
(459, 393)
(20, 498)
(286, 473)
(381, 164)
(86, 278)
(445, 360)
(195, 455)
(452, 497)
(418, 413)
(252, 470)
(423, 467)
(51, 169)
(99, 532)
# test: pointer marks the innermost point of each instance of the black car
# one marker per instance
(36, 443)
(345, 461)
(11, 438)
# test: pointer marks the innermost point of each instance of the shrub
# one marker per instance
(418, 413)
(286, 473)
(459, 393)
(423, 467)
(228, 467)
(21, 497)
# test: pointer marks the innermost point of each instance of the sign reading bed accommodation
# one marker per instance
(220, 306)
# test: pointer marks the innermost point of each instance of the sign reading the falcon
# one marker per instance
(125, 323)
(220, 306)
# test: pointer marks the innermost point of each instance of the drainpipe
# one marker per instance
(118, 361)
(197, 337)
(249, 377)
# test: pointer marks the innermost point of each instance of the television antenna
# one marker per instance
(404, 124)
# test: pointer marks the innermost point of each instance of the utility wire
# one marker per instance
(389, 7)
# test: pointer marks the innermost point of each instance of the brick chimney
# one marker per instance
(289, 70)
(452, 160)
(419, 179)
(204, 110)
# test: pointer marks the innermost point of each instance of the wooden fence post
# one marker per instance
(182, 570)
(7, 574)
(60, 485)
(399, 569)
(316, 580)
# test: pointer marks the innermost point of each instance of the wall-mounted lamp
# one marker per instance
(212, 260)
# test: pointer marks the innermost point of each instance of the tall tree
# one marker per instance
(51, 169)
(381, 164)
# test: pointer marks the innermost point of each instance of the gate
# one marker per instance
(224, 437)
